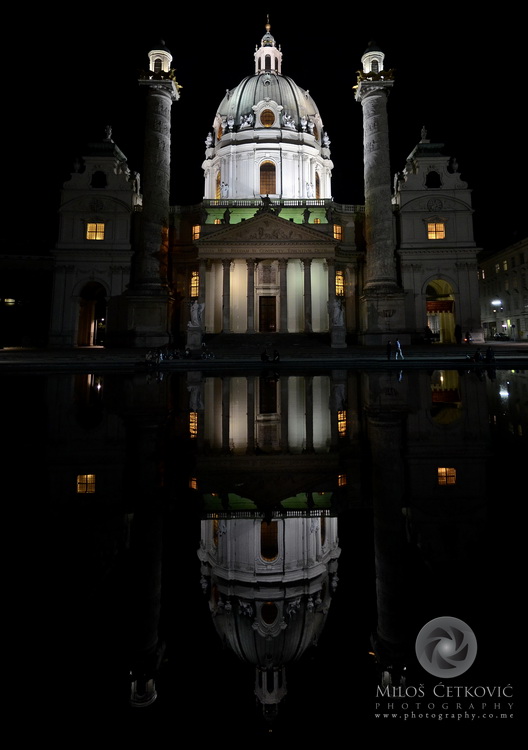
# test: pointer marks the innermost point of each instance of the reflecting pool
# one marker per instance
(243, 554)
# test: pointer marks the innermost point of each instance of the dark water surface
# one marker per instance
(293, 532)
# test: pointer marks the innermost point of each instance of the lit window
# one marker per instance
(218, 221)
(341, 480)
(317, 221)
(193, 424)
(220, 133)
(267, 178)
(95, 231)
(218, 186)
(85, 483)
(341, 423)
(446, 476)
(340, 284)
(196, 231)
(267, 118)
(157, 65)
(195, 284)
(497, 268)
(338, 232)
(504, 265)
(193, 483)
(436, 230)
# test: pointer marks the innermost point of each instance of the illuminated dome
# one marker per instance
(268, 137)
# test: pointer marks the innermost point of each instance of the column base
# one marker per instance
(338, 338)
(194, 337)
(140, 321)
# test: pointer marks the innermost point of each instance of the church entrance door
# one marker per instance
(267, 314)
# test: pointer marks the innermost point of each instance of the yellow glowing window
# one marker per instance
(196, 231)
(267, 118)
(446, 475)
(193, 483)
(220, 133)
(338, 232)
(317, 221)
(340, 284)
(95, 231)
(195, 284)
(218, 221)
(341, 423)
(341, 480)
(85, 483)
(193, 424)
(435, 230)
(267, 178)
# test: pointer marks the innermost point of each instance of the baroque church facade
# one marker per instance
(268, 250)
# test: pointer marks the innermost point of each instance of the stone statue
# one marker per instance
(424, 134)
(108, 134)
(209, 140)
(224, 189)
(309, 190)
(196, 313)
(336, 311)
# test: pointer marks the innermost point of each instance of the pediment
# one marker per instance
(267, 229)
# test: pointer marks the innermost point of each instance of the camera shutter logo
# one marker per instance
(446, 647)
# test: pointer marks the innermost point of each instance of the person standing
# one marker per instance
(399, 353)
(388, 349)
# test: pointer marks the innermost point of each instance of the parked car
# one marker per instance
(501, 337)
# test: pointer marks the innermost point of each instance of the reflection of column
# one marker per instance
(226, 385)
(250, 414)
(226, 295)
(283, 267)
(250, 295)
(308, 381)
(307, 295)
(284, 414)
(392, 589)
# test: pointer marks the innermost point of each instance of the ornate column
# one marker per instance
(226, 295)
(143, 316)
(382, 297)
(250, 328)
(283, 292)
(307, 263)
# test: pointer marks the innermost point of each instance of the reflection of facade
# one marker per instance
(271, 504)
(267, 250)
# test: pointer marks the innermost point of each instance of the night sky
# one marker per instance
(463, 86)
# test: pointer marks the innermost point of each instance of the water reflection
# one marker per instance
(255, 536)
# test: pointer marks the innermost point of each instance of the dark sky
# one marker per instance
(449, 78)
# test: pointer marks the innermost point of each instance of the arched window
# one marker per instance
(157, 65)
(269, 540)
(267, 62)
(433, 180)
(374, 67)
(268, 183)
(218, 186)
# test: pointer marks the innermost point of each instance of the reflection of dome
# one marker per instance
(270, 587)
(269, 133)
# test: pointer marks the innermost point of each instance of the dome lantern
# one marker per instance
(268, 58)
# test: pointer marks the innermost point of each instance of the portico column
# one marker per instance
(307, 295)
(250, 379)
(308, 380)
(226, 295)
(250, 295)
(284, 415)
(226, 408)
(283, 291)
(201, 281)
